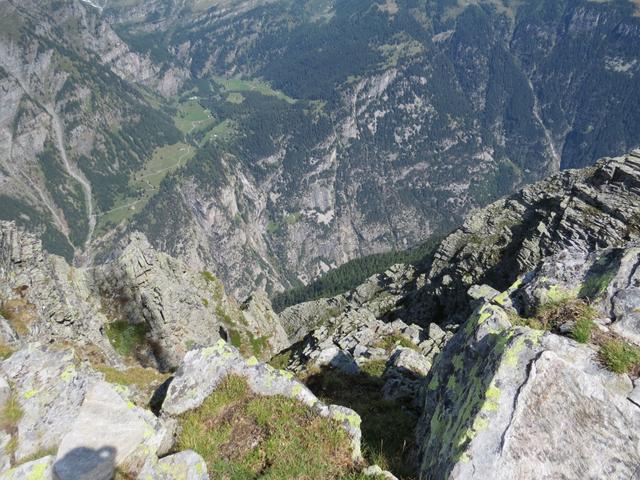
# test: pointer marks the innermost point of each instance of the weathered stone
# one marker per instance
(634, 396)
(378, 473)
(482, 292)
(204, 369)
(108, 433)
(521, 402)
(404, 376)
(50, 388)
(406, 361)
(336, 358)
(186, 465)
(40, 469)
(5, 391)
(436, 333)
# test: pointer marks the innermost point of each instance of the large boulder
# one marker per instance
(186, 465)
(181, 308)
(509, 402)
(608, 279)
(41, 469)
(109, 433)
(583, 210)
(49, 387)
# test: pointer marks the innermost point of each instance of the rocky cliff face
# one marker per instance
(448, 106)
(70, 89)
(269, 141)
(518, 345)
(164, 306)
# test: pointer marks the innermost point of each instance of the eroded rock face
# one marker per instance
(109, 433)
(41, 469)
(179, 308)
(49, 386)
(609, 279)
(582, 210)
(186, 465)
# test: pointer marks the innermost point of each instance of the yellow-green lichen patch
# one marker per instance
(69, 373)
(512, 354)
(492, 397)
(30, 394)
(457, 361)
(38, 472)
(434, 383)
(472, 398)
(353, 419)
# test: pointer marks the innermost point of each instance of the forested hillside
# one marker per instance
(271, 141)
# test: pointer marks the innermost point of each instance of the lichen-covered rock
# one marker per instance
(407, 361)
(378, 473)
(608, 279)
(265, 323)
(49, 387)
(504, 403)
(40, 469)
(378, 296)
(54, 297)
(204, 369)
(177, 308)
(108, 433)
(186, 465)
(5, 391)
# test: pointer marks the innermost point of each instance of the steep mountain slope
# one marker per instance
(75, 127)
(540, 377)
(519, 341)
(395, 118)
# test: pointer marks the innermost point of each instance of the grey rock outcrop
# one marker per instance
(583, 210)
(41, 469)
(182, 308)
(49, 387)
(177, 307)
(186, 465)
(204, 369)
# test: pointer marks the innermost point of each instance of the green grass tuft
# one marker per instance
(281, 360)
(11, 414)
(582, 329)
(241, 435)
(553, 314)
(5, 351)
(394, 340)
(619, 356)
(126, 337)
(208, 276)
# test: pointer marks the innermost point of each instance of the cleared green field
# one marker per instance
(238, 85)
(192, 116)
(222, 132)
(235, 97)
(145, 183)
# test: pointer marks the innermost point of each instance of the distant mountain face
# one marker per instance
(270, 140)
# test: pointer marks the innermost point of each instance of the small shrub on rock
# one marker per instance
(619, 356)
